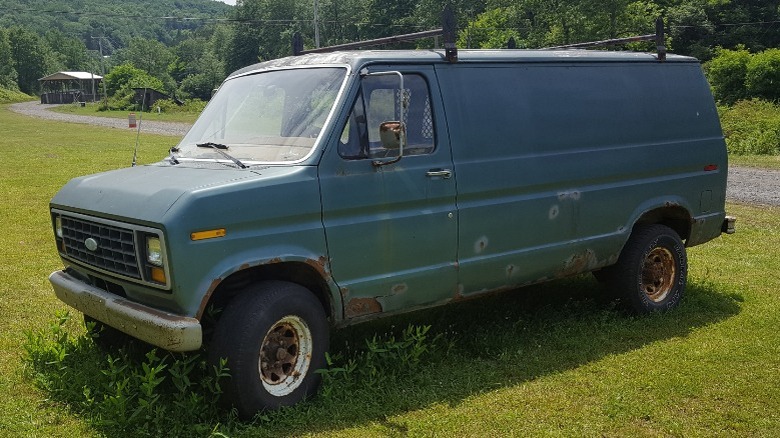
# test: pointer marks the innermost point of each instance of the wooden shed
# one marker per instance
(70, 86)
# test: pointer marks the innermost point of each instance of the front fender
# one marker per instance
(269, 256)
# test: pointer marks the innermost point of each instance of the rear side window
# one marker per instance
(380, 101)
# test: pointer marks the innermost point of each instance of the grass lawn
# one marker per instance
(91, 109)
(554, 360)
(759, 161)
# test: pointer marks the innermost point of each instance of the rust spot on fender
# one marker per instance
(321, 265)
(207, 296)
(362, 306)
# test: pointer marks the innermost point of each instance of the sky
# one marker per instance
(230, 2)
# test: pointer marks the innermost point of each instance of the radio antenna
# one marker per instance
(138, 131)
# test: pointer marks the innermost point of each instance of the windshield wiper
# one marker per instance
(220, 148)
(172, 157)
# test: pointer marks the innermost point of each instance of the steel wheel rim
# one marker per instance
(285, 355)
(658, 274)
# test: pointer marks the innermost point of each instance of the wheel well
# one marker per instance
(294, 272)
(674, 217)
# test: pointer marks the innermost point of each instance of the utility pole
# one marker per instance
(317, 24)
(102, 68)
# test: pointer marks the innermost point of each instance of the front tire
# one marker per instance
(274, 336)
(652, 270)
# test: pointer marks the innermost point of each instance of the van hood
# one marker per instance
(145, 193)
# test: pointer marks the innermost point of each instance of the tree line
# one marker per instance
(186, 47)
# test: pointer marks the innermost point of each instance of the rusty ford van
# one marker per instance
(321, 190)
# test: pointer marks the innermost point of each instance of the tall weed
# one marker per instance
(382, 360)
(158, 394)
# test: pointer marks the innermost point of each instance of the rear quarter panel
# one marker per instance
(556, 161)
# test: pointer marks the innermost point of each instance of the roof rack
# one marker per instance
(658, 36)
(449, 31)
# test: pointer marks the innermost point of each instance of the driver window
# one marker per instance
(379, 102)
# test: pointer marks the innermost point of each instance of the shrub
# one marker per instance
(169, 106)
(763, 75)
(752, 127)
(13, 96)
(726, 73)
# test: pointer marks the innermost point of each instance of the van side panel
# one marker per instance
(556, 161)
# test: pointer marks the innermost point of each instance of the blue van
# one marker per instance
(322, 190)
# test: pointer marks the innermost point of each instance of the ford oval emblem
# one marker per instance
(91, 244)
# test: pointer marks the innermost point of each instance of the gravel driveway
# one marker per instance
(753, 186)
(35, 109)
(748, 185)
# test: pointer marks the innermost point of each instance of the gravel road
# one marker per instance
(748, 185)
(35, 109)
(753, 186)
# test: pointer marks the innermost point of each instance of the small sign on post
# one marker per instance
(131, 120)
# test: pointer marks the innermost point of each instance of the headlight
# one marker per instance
(58, 226)
(154, 253)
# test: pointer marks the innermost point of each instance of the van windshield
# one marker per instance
(273, 116)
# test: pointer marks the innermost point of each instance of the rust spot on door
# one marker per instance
(578, 263)
(362, 306)
(480, 244)
(399, 288)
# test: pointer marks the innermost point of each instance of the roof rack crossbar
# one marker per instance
(376, 42)
(602, 43)
(658, 37)
(448, 30)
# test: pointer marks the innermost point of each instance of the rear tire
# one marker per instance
(274, 336)
(651, 272)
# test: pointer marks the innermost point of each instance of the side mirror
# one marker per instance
(392, 135)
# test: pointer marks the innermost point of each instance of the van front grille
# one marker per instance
(103, 246)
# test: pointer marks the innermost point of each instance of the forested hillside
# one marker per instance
(186, 47)
(117, 20)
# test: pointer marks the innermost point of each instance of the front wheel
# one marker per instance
(651, 272)
(274, 336)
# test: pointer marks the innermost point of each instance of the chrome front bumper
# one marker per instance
(165, 330)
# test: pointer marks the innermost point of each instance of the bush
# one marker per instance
(726, 73)
(13, 96)
(752, 127)
(763, 75)
(169, 106)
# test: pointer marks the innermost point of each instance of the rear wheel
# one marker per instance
(274, 336)
(651, 272)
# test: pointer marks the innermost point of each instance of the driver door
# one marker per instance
(388, 208)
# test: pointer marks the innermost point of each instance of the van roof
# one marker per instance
(357, 59)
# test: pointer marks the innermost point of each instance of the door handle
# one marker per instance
(442, 173)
